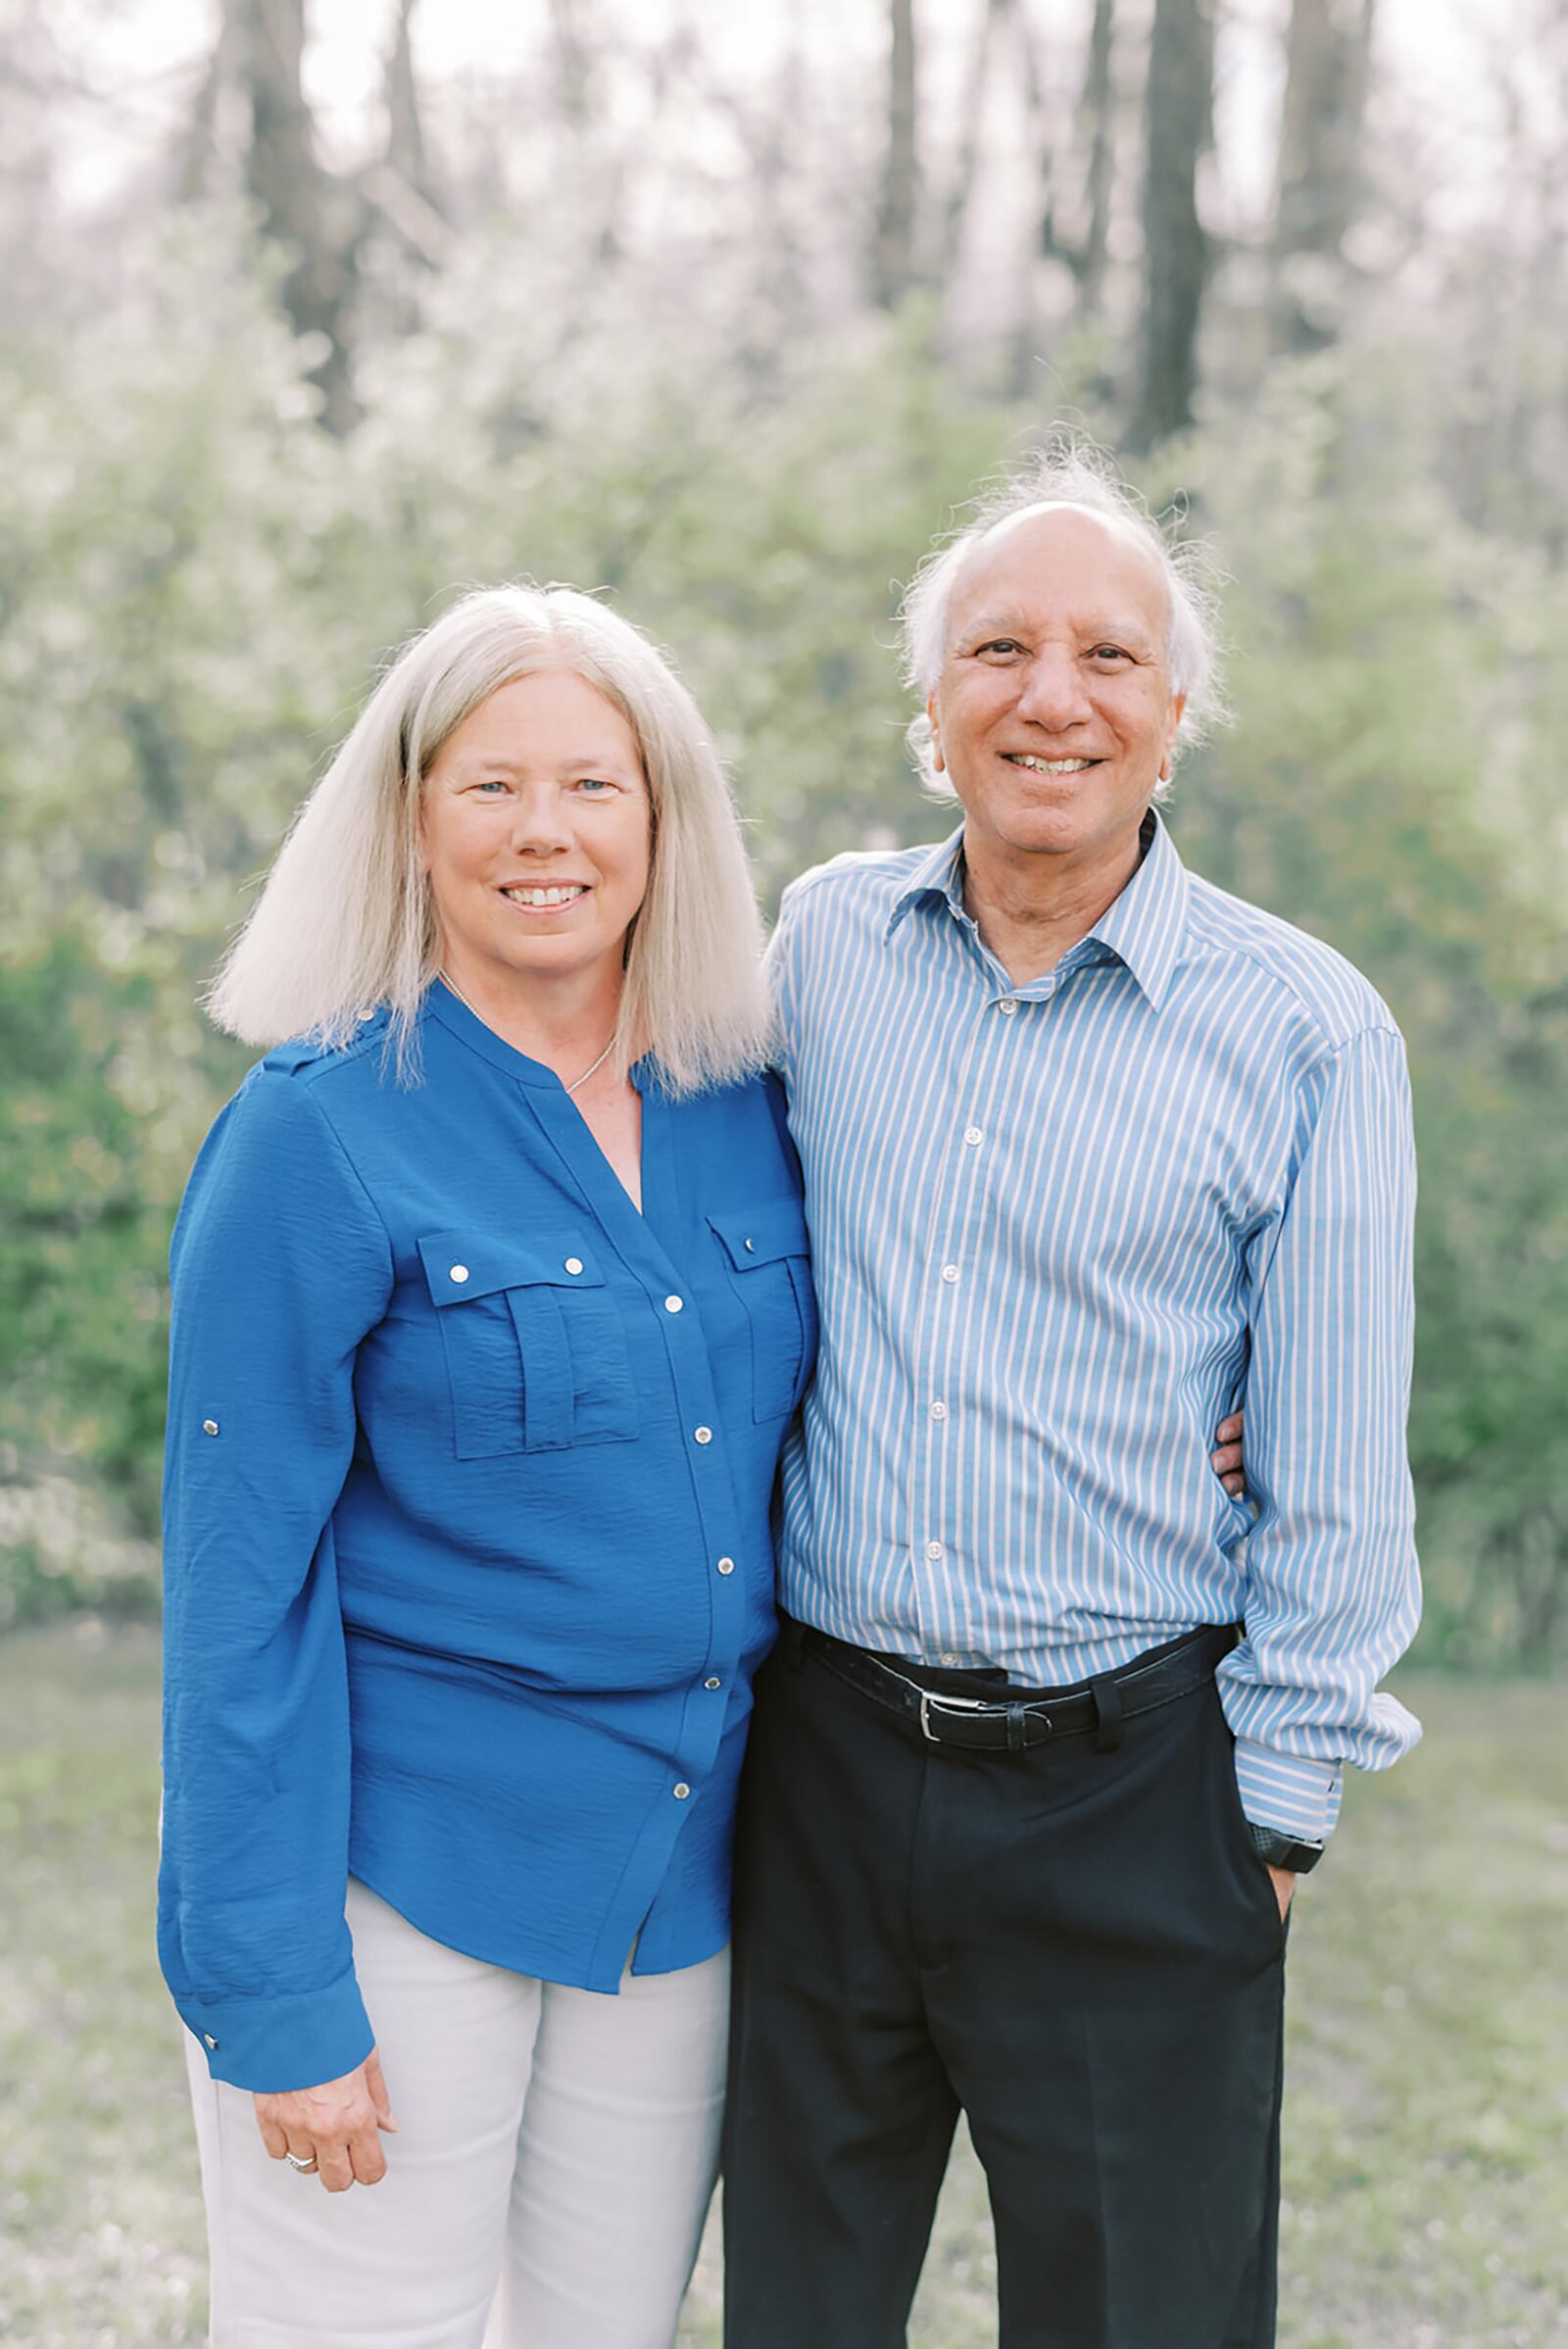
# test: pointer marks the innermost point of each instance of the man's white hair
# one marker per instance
(1073, 473)
(346, 924)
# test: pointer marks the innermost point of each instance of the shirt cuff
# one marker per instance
(1296, 1797)
(270, 2045)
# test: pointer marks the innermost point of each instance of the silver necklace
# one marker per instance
(447, 980)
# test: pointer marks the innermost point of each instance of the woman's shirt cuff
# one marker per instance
(270, 2045)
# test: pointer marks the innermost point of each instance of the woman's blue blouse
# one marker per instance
(466, 1526)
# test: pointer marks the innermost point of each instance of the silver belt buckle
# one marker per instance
(955, 1704)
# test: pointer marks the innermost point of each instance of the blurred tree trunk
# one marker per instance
(1084, 252)
(197, 153)
(1319, 181)
(571, 45)
(405, 139)
(955, 212)
(1178, 114)
(893, 256)
(1098, 114)
(1039, 131)
(314, 217)
(402, 191)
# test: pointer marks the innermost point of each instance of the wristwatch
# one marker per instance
(1283, 1851)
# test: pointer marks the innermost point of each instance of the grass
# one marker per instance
(1426, 2102)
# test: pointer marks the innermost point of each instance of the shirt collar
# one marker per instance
(939, 873)
(1143, 927)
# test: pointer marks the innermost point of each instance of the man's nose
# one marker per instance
(1052, 692)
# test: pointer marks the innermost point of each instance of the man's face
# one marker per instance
(1053, 718)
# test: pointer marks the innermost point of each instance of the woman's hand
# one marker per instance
(1226, 1459)
(337, 2125)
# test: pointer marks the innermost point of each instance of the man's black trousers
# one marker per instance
(1078, 1946)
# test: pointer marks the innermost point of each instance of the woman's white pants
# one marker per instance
(546, 2186)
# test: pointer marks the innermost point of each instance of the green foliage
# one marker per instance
(196, 585)
(1386, 786)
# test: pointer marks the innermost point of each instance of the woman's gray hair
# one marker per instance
(1077, 474)
(345, 923)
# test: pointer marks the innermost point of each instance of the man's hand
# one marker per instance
(338, 2125)
(1226, 1458)
(1283, 1887)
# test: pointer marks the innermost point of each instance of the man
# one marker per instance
(1093, 1152)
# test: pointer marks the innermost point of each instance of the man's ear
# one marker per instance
(1178, 705)
(937, 760)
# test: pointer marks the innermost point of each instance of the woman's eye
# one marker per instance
(597, 785)
(491, 785)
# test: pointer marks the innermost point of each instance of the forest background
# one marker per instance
(728, 329)
(308, 322)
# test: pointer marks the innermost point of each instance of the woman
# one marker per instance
(490, 1311)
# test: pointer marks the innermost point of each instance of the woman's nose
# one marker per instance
(540, 824)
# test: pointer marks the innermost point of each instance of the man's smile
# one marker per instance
(1050, 767)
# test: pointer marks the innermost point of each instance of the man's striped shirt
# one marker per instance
(1059, 1231)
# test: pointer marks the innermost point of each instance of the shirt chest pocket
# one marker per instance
(536, 1346)
(768, 1256)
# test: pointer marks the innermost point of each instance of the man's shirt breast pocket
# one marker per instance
(534, 1342)
(767, 1256)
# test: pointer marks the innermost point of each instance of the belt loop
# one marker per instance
(1017, 1725)
(1107, 1713)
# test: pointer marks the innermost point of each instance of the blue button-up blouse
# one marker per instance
(468, 1560)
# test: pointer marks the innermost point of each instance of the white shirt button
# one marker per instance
(459, 1273)
(207, 2039)
(712, 1682)
(704, 1434)
(938, 1410)
(1008, 1007)
(726, 1565)
(209, 1427)
(972, 1135)
(673, 1304)
(933, 1550)
(948, 1655)
(950, 1272)
(682, 1789)
(751, 1248)
(574, 1263)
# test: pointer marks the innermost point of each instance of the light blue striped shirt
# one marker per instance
(1057, 1232)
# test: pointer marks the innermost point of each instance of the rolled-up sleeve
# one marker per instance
(1333, 1587)
(280, 1267)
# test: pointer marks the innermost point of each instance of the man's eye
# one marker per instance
(1111, 652)
(1005, 646)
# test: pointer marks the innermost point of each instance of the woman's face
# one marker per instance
(535, 828)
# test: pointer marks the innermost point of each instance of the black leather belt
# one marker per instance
(1009, 1724)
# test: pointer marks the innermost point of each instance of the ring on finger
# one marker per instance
(303, 2163)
